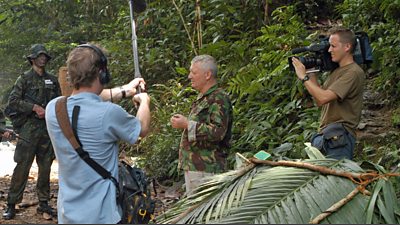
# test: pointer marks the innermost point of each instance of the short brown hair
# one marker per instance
(346, 36)
(83, 66)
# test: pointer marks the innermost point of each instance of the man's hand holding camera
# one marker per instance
(302, 73)
(299, 68)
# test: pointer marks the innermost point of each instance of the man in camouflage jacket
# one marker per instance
(30, 95)
(207, 130)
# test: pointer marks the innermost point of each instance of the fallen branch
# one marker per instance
(361, 177)
(242, 157)
(334, 207)
(364, 179)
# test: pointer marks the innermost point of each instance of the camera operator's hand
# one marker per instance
(131, 87)
(299, 67)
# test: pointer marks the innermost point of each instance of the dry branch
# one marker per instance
(361, 177)
(198, 24)
(335, 207)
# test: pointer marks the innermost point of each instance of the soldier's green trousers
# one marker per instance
(40, 147)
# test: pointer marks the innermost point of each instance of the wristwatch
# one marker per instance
(306, 78)
(123, 92)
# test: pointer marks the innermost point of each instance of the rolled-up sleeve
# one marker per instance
(121, 124)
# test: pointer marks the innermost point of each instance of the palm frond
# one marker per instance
(264, 194)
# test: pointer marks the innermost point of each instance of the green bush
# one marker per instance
(380, 19)
(159, 150)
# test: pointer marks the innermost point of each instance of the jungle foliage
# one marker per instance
(251, 39)
(315, 190)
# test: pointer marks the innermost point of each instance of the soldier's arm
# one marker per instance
(16, 98)
(215, 130)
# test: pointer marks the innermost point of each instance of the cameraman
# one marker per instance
(340, 96)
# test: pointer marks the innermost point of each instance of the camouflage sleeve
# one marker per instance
(16, 97)
(215, 130)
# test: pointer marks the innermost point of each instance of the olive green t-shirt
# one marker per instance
(348, 84)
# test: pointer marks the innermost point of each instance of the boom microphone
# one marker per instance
(139, 5)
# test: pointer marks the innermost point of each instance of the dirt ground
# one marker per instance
(26, 211)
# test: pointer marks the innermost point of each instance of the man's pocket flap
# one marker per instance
(333, 130)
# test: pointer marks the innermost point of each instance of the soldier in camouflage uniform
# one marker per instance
(32, 91)
(207, 130)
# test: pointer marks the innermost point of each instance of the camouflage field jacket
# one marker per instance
(31, 88)
(208, 135)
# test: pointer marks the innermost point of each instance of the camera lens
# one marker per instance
(310, 62)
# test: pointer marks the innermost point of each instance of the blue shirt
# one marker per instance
(83, 195)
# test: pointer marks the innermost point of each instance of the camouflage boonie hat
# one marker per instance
(36, 50)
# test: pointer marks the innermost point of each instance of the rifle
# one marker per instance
(13, 134)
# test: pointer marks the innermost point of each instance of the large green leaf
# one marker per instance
(266, 194)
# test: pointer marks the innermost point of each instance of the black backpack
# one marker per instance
(134, 195)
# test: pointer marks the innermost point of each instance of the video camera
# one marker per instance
(322, 60)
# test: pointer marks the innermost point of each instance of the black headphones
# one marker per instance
(105, 76)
